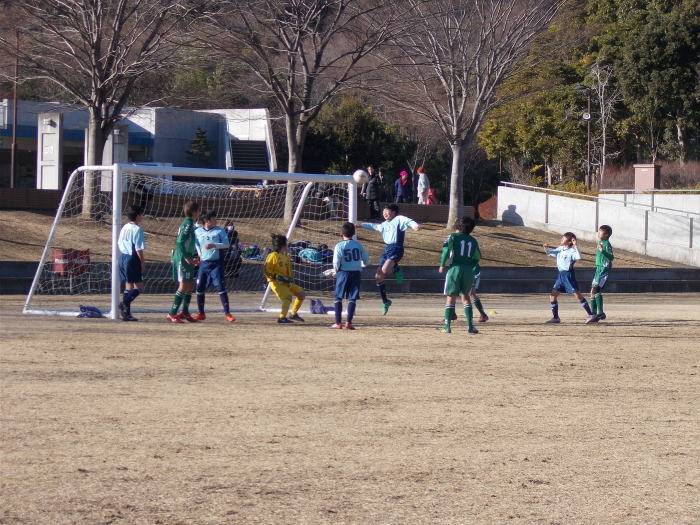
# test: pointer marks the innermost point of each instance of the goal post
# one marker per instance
(79, 263)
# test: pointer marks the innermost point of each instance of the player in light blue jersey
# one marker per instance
(393, 231)
(132, 263)
(566, 254)
(348, 258)
(212, 243)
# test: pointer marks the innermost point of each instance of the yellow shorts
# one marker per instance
(284, 290)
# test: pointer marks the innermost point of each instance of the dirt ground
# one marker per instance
(23, 235)
(108, 422)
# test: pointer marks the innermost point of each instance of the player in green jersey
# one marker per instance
(464, 252)
(603, 263)
(184, 260)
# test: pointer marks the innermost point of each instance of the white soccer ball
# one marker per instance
(360, 176)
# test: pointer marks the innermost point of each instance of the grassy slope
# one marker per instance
(23, 235)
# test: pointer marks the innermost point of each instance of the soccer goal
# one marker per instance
(79, 263)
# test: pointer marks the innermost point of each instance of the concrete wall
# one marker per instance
(175, 129)
(568, 214)
(674, 237)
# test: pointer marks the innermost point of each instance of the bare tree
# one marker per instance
(608, 96)
(95, 51)
(301, 53)
(452, 61)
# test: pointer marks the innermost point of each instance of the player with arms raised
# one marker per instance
(393, 231)
(463, 250)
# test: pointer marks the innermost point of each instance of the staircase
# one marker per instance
(250, 155)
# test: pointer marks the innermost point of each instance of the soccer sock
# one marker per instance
(223, 296)
(585, 306)
(200, 302)
(555, 308)
(599, 302)
(129, 297)
(382, 291)
(285, 307)
(296, 305)
(594, 305)
(477, 303)
(468, 313)
(338, 309)
(449, 310)
(351, 310)
(177, 301)
(186, 303)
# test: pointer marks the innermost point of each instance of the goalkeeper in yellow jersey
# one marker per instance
(278, 272)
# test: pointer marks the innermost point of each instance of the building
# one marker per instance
(51, 140)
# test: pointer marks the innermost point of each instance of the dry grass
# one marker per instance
(23, 235)
(107, 422)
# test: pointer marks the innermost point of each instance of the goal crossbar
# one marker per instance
(119, 170)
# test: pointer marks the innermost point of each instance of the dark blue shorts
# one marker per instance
(566, 282)
(130, 268)
(211, 273)
(347, 285)
(393, 252)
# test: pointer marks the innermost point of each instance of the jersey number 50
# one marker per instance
(351, 255)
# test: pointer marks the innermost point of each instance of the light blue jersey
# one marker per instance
(393, 231)
(349, 255)
(566, 257)
(216, 236)
(131, 238)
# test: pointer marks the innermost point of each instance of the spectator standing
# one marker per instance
(423, 186)
(371, 191)
(403, 188)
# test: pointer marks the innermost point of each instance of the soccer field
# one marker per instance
(148, 422)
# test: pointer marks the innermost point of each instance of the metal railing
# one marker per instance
(625, 204)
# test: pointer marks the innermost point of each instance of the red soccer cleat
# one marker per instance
(199, 317)
(187, 317)
(230, 318)
(336, 326)
(173, 319)
(349, 326)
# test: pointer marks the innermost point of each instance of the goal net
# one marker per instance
(77, 265)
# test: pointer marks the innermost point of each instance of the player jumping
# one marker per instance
(393, 231)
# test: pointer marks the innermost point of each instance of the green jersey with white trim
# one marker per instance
(604, 254)
(185, 244)
(462, 249)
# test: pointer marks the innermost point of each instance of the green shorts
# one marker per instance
(183, 272)
(600, 277)
(459, 280)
